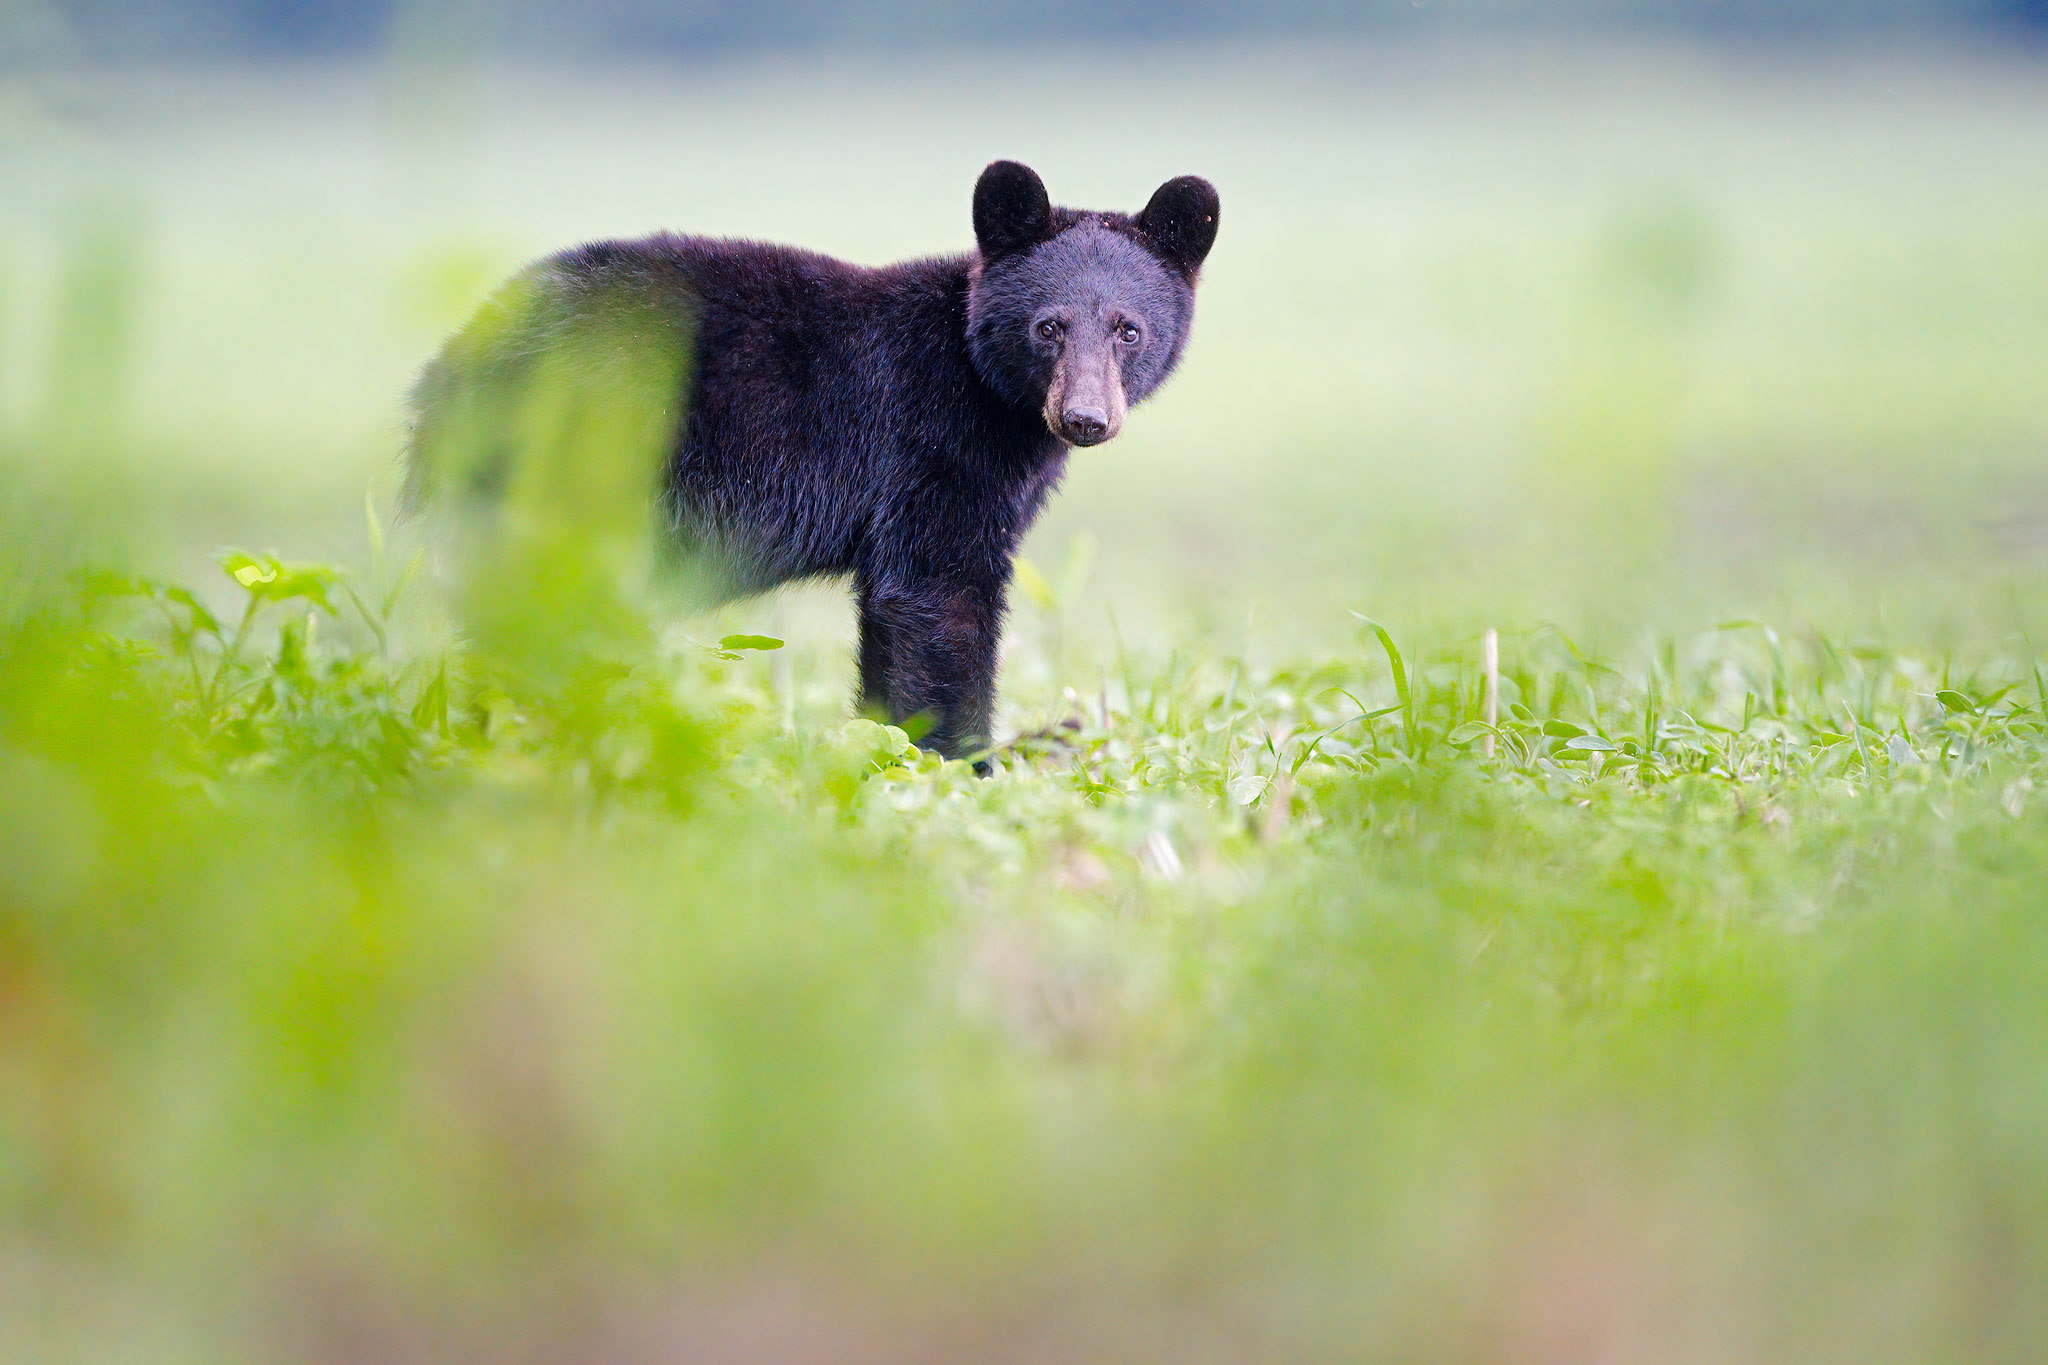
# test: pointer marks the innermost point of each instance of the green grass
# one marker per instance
(424, 1000)
(390, 972)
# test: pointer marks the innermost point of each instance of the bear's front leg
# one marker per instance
(928, 657)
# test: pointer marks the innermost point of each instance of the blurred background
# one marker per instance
(1574, 311)
(357, 1006)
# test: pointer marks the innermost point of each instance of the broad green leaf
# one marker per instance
(202, 619)
(1468, 732)
(271, 579)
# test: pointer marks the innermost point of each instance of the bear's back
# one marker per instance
(795, 382)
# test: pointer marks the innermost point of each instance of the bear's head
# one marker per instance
(1077, 314)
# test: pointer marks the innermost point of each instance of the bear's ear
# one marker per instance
(1180, 222)
(1011, 211)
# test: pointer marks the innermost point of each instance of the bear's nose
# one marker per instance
(1085, 426)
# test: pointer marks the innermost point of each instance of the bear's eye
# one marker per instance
(1127, 333)
(1049, 330)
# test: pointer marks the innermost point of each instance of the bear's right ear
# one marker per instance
(1011, 210)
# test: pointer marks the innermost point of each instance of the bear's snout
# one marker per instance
(1084, 404)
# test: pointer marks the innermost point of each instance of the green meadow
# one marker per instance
(1525, 831)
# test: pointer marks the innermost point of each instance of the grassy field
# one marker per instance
(389, 976)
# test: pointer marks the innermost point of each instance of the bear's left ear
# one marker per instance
(1011, 209)
(1180, 222)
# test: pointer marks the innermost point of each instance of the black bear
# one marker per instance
(903, 425)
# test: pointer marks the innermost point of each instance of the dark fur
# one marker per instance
(904, 425)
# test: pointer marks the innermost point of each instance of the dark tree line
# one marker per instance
(313, 27)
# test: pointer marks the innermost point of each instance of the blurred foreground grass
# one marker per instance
(363, 1005)
(375, 991)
